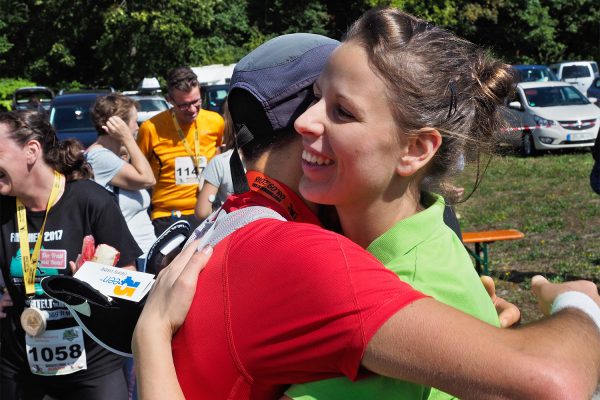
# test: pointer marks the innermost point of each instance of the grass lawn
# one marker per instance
(550, 200)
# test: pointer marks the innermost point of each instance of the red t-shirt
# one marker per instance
(281, 303)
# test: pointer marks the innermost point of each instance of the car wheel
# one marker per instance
(527, 145)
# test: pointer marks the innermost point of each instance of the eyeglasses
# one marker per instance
(187, 106)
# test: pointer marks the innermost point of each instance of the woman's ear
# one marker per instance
(420, 148)
(33, 150)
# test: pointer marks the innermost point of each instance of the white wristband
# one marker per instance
(580, 301)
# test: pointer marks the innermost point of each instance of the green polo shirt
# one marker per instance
(424, 252)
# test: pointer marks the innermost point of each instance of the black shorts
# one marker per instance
(26, 386)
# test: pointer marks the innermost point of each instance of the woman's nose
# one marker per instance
(310, 121)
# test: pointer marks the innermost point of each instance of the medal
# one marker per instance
(33, 321)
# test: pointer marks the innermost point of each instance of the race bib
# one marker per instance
(185, 171)
(56, 352)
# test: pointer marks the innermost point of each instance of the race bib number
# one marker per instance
(56, 352)
(185, 171)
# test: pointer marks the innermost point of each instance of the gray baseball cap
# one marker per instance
(277, 71)
(279, 75)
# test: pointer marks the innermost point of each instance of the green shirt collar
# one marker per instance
(408, 233)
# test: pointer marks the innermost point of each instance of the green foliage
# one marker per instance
(118, 42)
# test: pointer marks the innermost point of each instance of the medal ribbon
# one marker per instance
(194, 155)
(265, 186)
(29, 262)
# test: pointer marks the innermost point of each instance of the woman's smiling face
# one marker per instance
(350, 138)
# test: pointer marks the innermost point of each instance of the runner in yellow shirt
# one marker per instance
(178, 143)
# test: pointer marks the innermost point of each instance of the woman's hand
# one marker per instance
(508, 313)
(118, 129)
(171, 296)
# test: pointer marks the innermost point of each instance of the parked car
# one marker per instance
(70, 116)
(534, 73)
(150, 105)
(552, 115)
(32, 98)
(214, 96)
(594, 90)
(579, 73)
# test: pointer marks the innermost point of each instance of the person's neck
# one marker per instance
(109, 143)
(364, 221)
(283, 165)
(37, 189)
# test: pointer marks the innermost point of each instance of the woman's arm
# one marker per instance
(137, 174)
(164, 312)
(203, 204)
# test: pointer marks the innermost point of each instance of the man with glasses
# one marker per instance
(178, 143)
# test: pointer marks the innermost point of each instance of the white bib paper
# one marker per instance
(56, 352)
(185, 171)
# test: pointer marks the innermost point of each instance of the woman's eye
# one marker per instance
(344, 114)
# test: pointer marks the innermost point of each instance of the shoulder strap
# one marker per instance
(221, 224)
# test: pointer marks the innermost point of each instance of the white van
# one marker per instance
(580, 74)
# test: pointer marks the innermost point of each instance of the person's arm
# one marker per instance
(425, 342)
(137, 174)
(164, 312)
(558, 357)
(203, 203)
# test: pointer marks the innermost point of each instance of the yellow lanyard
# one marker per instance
(29, 262)
(195, 156)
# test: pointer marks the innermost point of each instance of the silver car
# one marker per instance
(150, 105)
(552, 115)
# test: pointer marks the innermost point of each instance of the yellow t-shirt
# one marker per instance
(176, 187)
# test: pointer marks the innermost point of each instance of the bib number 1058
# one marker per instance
(58, 353)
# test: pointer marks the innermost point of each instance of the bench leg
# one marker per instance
(477, 255)
(478, 259)
(486, 260)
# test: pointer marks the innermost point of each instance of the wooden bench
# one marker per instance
(482, 240)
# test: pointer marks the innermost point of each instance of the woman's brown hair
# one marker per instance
(436, 80)
(109, 105)
(64, 156)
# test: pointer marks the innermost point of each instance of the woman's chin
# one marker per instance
(315, 192)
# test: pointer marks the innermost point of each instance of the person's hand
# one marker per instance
(117, 128)
(171, 296)
(508, 313)
(76, 265)
(5, 301)
(546, 292)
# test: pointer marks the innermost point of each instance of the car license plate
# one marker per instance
(573, 137)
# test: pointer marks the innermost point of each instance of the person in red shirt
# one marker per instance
(282, 302)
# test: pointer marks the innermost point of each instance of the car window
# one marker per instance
(152, 105)
(554, 96)
(536, 75)
(575, 71)
(71, 118)
(214, 97)
(594, 67)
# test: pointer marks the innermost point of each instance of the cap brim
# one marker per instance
(108, 321)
